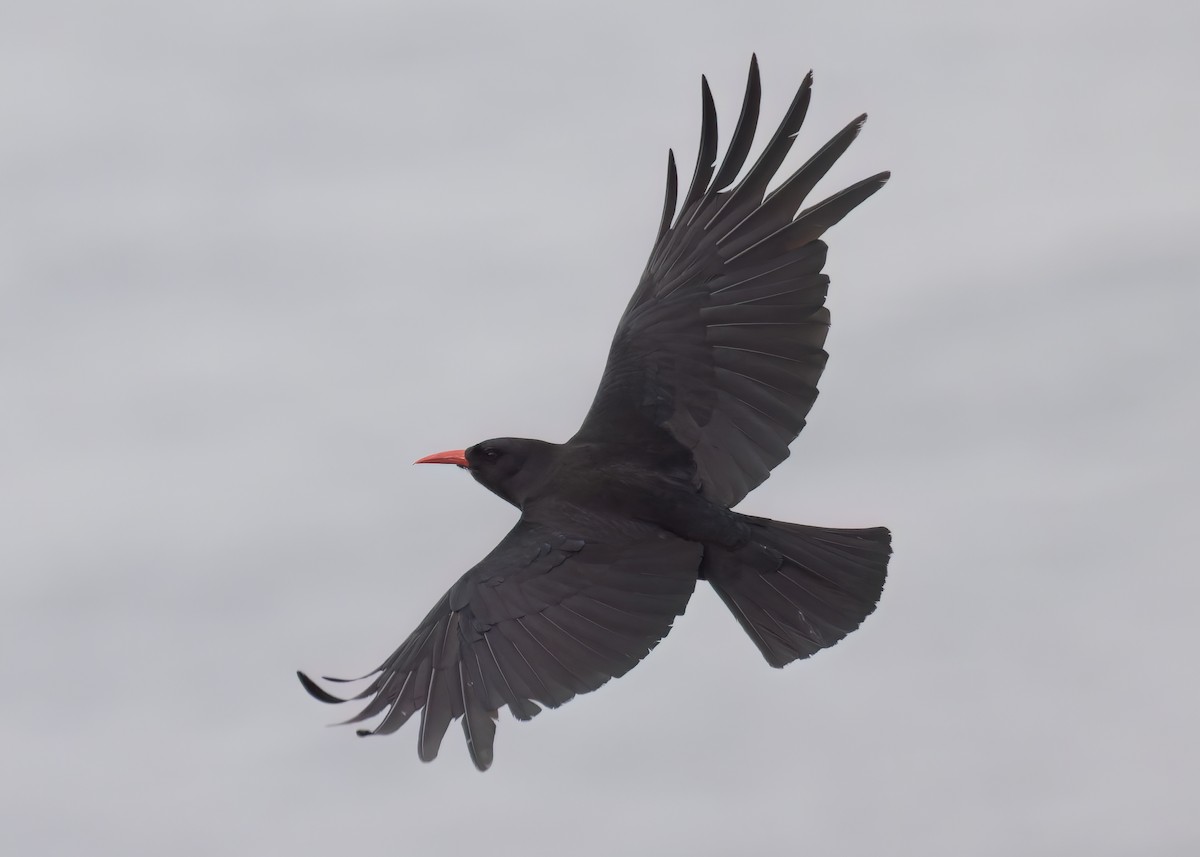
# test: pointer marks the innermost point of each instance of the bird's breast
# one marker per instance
(629, 490)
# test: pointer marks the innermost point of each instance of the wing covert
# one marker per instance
(722, 343)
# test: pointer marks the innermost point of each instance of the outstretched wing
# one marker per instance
(548, 614)
(723, 341)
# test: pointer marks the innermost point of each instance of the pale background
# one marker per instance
(256, 257)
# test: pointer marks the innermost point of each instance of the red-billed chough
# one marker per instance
(710, 375)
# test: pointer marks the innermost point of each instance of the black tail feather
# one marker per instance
(797, 589)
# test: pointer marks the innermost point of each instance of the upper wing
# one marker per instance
(548, 614)
(723, 341)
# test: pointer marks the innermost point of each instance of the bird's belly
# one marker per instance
(635, 494)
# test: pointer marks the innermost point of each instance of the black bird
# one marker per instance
(710, 375)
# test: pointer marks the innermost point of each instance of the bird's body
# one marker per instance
(710, 375)
(622, 481)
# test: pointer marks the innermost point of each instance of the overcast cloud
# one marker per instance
(256, 257)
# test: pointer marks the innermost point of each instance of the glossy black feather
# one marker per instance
(782, 203)
(733, 271)
(743, 134)
(750, 190)
(668, 211)
(706, 157)
(502, 637)
(796, 589)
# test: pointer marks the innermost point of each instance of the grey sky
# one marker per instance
(255, 258)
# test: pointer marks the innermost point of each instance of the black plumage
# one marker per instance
(710, 376)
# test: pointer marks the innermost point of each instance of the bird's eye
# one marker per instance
(490, 453)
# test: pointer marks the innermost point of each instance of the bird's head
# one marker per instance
(510, 467)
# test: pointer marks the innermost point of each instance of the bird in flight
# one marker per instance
(710, 375)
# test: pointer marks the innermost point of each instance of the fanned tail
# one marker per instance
(798, 589)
